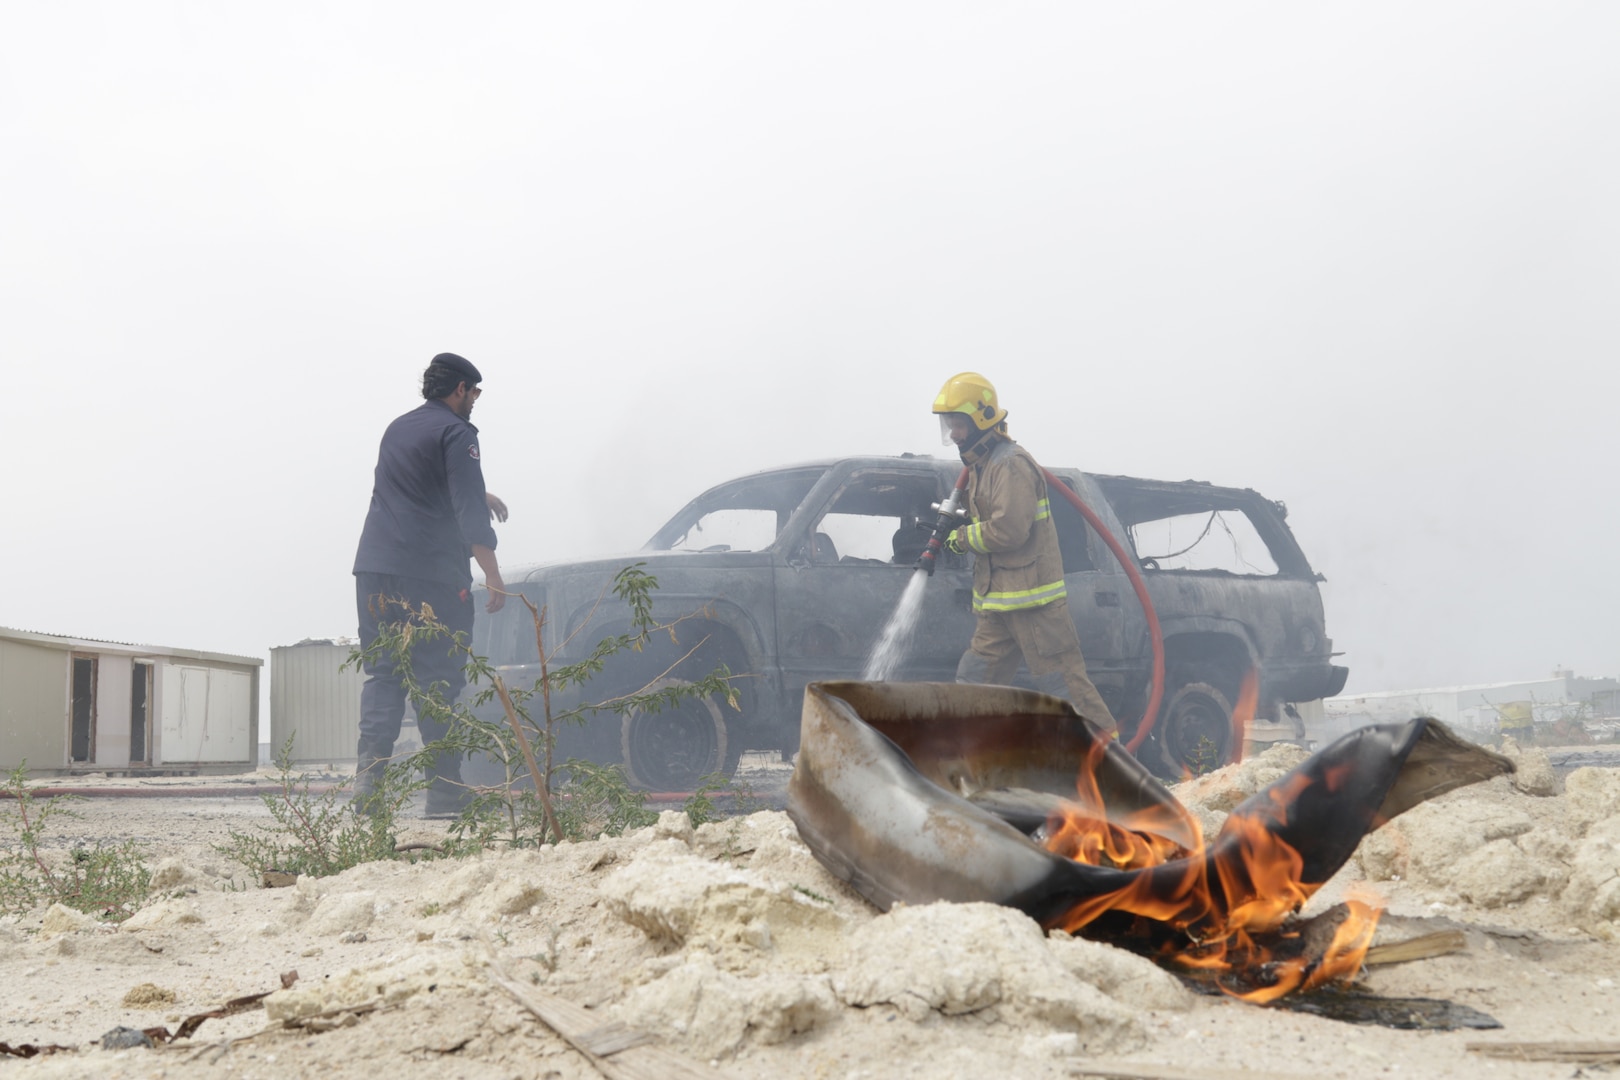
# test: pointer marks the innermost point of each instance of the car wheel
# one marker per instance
(1195, 735)
(674, 748)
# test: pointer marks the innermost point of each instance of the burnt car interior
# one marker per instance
(745, 515)
(1199, 527)
(876, 519)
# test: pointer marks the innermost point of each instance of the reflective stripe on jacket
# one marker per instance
(1019, 564)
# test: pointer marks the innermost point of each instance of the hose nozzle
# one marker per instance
(950, 516)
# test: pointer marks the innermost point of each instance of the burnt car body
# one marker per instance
(793, 573)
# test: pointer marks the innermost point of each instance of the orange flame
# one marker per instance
(1257, 884)
(1243, 710)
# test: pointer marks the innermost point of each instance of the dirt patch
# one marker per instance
(148, 996)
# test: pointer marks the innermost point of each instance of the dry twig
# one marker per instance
(1422, 947)
(616, 1051)
(1581, 1053)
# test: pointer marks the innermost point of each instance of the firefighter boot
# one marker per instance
(447, 796)
(368, 773)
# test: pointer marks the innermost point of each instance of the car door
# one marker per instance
(848, 557)
(1107, 615)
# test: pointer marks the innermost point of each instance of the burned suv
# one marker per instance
(796, 570)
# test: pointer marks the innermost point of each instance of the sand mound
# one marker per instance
(1492, 846)
(729, 943)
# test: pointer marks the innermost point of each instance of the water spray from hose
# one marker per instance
(895, 641)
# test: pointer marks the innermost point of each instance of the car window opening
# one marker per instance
(874, 521)
(746, 515)
(1218, 540)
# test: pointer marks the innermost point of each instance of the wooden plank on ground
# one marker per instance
(1094, 1070)
(1580, 1053)
(1418, 948)
(618, 1052)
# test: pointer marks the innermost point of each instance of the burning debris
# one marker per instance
(922, 792)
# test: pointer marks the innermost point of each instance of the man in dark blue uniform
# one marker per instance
(429, 513)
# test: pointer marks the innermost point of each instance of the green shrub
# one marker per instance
(109, 881)
(316, 834)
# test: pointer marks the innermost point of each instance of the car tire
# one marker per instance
(672, 750)
(1194, 735)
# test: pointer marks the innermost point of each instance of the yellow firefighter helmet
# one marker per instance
(971, 394)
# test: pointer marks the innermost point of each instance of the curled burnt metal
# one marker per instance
(935, 791)
(885, 785)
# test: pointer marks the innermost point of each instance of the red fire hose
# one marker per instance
(1155, 634)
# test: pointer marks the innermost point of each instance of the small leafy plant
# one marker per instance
(109, 881)
(1204, 758)
(700, 807)
(703, 806)
(316, 834)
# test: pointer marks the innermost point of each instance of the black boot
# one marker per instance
(447, 796)
(368, 772)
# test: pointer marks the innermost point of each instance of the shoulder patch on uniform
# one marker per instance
(472, 451)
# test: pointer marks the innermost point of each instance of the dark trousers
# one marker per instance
(385, 599)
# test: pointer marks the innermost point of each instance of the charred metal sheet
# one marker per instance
(1403, 1013)
(883, 794)
(898, 833)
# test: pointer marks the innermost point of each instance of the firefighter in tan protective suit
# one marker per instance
(1019, 596)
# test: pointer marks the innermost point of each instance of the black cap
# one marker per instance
(460, 365)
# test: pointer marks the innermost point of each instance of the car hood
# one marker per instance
(653, 562)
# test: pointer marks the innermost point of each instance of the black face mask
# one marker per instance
(974, 449)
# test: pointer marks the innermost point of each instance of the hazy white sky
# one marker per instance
(1362, 257)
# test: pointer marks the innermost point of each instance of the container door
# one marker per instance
(140, 713)
(82, 711)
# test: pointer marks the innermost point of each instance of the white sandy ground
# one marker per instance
(737, 948)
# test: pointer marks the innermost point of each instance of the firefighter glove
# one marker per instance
(953, 543)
